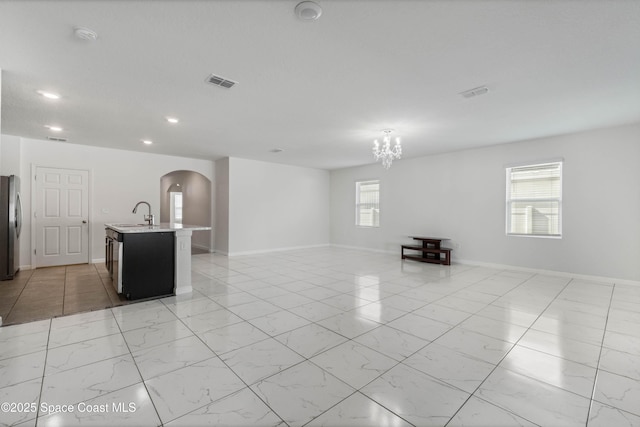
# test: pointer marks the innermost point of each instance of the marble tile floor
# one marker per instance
(336, 337)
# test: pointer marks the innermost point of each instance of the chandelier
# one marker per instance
(386, 153)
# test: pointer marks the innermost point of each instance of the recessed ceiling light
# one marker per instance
(308, 11)
(49, 95)
(54, 128)
(172, 120)
(147, 142)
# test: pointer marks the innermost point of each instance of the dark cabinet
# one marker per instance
(148, 264)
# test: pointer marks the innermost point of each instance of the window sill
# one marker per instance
(538, 236)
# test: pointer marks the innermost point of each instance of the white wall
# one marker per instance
(222, 206)
(274, 206)
(461, 195)
(10, 155)
(118, 180)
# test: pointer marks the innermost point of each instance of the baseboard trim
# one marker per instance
(362, 248)
(551, 272)
(512, 267)
(202, 247)
(457, 261)
(266, 251)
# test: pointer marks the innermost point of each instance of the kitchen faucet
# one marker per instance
(149, 218)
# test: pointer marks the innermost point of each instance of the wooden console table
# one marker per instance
(430, 251)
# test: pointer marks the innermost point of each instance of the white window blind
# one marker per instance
(368, 203)
(534, 200)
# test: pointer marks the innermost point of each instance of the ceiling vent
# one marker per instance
(476, 91)
(220, 81)
(53, 138)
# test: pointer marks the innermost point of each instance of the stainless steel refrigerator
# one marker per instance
(10, 226)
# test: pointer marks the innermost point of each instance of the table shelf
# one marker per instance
(431, 251)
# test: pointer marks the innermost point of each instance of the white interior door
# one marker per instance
(62, 216)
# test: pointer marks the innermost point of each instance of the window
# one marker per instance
(368, 203)
(176, 207)
(534, 200)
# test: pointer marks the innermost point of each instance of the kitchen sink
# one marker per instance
(132, 225)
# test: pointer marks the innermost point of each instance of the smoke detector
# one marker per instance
(308, 11)
(85, 34)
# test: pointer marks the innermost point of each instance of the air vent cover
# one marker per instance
(220, 81)
(53, 138)
(476, 91)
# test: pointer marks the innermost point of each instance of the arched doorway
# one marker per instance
(185, 197)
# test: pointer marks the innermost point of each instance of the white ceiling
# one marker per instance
(320, 90)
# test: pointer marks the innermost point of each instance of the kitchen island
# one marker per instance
(147, 261)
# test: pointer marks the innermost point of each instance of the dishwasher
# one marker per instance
(113, 258)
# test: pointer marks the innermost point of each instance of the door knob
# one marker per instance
(84, 221)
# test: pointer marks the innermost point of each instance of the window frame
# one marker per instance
(509, 200)
(172, 207)
(357, 202)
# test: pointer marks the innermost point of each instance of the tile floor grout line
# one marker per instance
(505, 355)
(64, 289)
(332, 406)
(216, 355)
(604, 334)
(305, 359)
(5, 323)
(137, 368)
(530, 327)
(16, 301)
(104, 285)
(88, 364)
(44, 371)
(359, 390)
(234, 373)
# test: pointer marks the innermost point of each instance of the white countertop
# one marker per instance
(157, 228)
